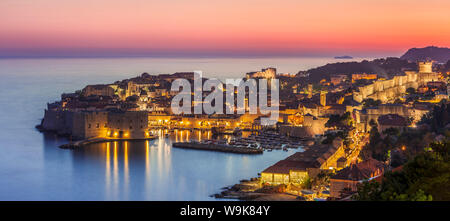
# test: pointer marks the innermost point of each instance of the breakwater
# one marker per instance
(81, 143)
(217, 147)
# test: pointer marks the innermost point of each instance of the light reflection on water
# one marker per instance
(154, 170)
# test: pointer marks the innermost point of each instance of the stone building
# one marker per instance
(268, 73)
(311, 126)
(364, 116)
(392, 121)
(78, 124)
(301, 165)
(128, 124)
(350, 177)
(88, 124)
(387, 90)
(363, 76)
(98, 90)
(323, 98)
(338, 79)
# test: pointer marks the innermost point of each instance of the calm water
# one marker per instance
(32, 167)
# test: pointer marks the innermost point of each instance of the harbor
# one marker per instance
(254, 143)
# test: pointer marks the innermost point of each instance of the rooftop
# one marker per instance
(392, 120)
(312, 158)
(361, 171)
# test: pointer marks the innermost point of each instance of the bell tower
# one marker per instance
(323, 98)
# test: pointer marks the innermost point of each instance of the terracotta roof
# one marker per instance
(312, 158)
(284, 166)
(392, 120)
(361, 171)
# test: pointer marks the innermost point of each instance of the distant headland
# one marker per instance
(438, 54)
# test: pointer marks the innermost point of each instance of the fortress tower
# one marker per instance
(425, 67)
(310, 90)
(426, 73)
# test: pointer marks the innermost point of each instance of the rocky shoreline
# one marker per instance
(252, 190)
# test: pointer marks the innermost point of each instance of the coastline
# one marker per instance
(253, 190)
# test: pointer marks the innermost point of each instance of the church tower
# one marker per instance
(323, 98)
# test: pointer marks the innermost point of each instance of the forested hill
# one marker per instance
(440, 55)
(385, 67)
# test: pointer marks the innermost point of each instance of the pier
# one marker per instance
(82, 143)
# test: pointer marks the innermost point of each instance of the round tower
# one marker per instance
(425, 67)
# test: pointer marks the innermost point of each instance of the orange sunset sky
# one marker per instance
(218, 27)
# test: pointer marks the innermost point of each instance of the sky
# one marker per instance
(220, 27)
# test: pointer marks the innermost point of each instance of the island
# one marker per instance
(343, 57)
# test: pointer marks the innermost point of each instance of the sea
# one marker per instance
(33, 167)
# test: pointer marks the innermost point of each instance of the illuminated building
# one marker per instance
(350, 177)
(296, 168)
(387, 90)
(267, 73)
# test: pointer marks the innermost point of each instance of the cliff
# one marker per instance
(441, 55)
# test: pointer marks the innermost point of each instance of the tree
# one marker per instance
(368, 191)
(343, 122)
(369, 102)
(374, 148)
(373, 123)
(438, 118)
(392, 131)
(424, 178)
(410, 90)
